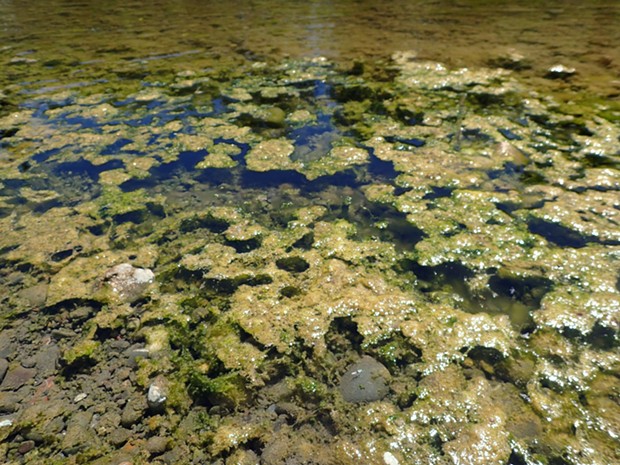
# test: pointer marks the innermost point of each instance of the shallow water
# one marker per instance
(428, 187)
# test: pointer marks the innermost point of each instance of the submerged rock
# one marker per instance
(157, 394)
(559, 72)
(128, 282)
(365, 381)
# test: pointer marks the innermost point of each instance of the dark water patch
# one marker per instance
(244, 246)
(290, 291)
(475, 135)
(271, 179)
(8, 132)
(598, 160)
(529, 290)
(380, 170)
(220, 106)
(441, 273)
(182, 167)
(228, 286)
(81, 121)
(313, 141)
(98, 230)
(24, 167)
(142, 215)
(516, 458)
(215, 225)
(10, 187)
(556, 233)
(603, 337)
(344, 336)
(396, 352)
(408, 116)
(79, 168)
(508, 134)
(215, 177)
(306, 242)
(42, 207)
(43, 156)
(292, 264)
(410, 142)
(517, 299)
(438, 193)
(115, 147)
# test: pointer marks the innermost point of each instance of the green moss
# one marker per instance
(309, 389)
(228, 390)
(85, 352)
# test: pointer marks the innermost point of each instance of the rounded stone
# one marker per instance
(157, 445)
(365, 381)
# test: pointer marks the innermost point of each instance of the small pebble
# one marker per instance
(389, 459)
(25, 447)
(560, 72)
(157, 395)
(6, 422)
(80, 397)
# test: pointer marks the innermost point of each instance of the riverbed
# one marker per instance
(310, 233)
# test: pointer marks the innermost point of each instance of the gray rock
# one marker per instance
(7, 347)
(17, 377)
(157, 445)
(365, 381)
(128, 282)
(78, 434)
(35, 295)
(133, 411)
(119, 436)
(63, 333)
(46, 360)
(8, 402)
(4, 366)
(28, 362)
(135, 352)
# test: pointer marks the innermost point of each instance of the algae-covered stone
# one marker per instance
(84, 278)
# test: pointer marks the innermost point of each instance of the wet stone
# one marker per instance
(157, 445)
(119, 436)
(78, 435)
(6, 344)
(365, 381)
(46, 360)
(560, 72)
(25, 447)
(129, 282)
(8, 402)
(17, 377)
(35, 295)
(4, 366)
(133, 411)
(157, 394)
(63, 333)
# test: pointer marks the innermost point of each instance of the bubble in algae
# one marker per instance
(365, 381)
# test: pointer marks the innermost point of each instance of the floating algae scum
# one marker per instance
(249, 258)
